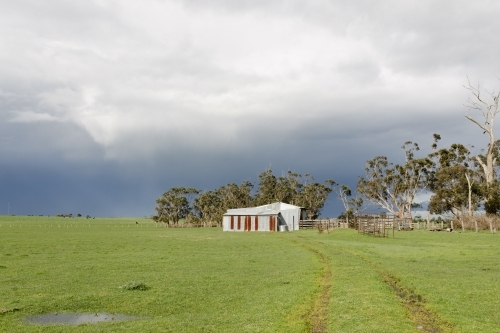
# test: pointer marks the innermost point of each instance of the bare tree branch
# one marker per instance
(488, 111)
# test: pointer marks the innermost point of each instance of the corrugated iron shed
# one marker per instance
(262, 218)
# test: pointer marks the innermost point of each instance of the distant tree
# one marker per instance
(344, 192)
(492, 189)
(355, 204)
(492, 205)
(267, 189)
(234, 196)
(288, 188)
(210, 207)
(352, 205)
(379, 185)
(487, 105)
(394, 186)
(488, 108)
(174, 204)
(79, 215)
(314, 195)
(456, 184)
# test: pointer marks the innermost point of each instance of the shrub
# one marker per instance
(484, 222)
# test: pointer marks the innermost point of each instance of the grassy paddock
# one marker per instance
(200, 280)
(205, 280)
(455, 274)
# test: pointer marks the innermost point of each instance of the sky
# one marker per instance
(105, 105)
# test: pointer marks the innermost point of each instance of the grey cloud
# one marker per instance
(46, 143)
(360, 72)
(30, 117)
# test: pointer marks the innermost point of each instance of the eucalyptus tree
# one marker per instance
(355, 205)
(344, 192)
(492, 205)
(456, 182)
(285, 188)
(174, 204)
(266, 191)
(379, 185)
(492, 189)
(487, 106)
(210, 207)
(234, 196)
(351, 205)
(314, 195)
(393, 187)
(288, 187)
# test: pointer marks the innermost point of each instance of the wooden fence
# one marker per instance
(380, 225)
(323, 224)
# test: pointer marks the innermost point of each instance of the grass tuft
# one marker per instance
(134, 285)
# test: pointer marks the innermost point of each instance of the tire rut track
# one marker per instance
(423, 318)
(317, 317)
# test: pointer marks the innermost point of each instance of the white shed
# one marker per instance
(262, 218)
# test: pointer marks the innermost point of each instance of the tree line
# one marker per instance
(460, 181)
(207, 207)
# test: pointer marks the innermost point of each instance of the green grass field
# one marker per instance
(206, 280)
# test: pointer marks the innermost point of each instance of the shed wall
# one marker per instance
(292, 218)
(249, 223)
(289, 214)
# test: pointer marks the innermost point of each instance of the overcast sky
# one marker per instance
(104, 105)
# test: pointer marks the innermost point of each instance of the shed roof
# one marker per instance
(270, 209)
(244, 211)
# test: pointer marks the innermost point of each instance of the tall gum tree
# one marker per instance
(174, 204)
(351, 205)
(487, 105)
(344, 192)
(210, 207)
(455, 182)
(393, 187)
(314, 195)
